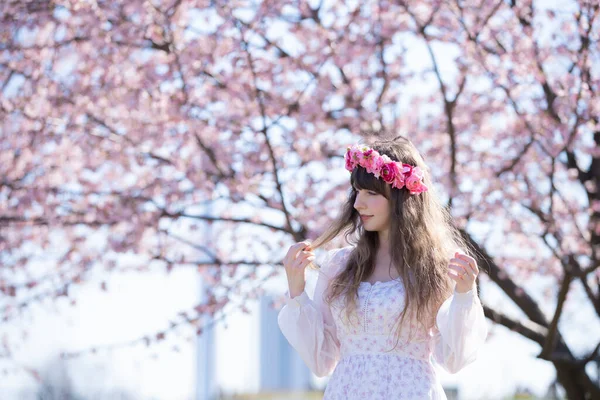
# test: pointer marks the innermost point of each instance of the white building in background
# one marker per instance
(206, 384)
(206, 349)
(281, 368)
(253, 350)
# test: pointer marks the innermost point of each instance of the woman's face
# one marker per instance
(374, 209)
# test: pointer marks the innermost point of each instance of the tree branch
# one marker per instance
(529, 329)
(550, 342)
(517, 294)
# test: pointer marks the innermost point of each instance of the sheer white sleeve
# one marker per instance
(308, 324)
(462, 331)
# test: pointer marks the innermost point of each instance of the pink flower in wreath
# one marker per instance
(400, 179)
(368, 160)
(389, 171)
(376, 163)
(414, 183)
(353, 157)
(349, 158)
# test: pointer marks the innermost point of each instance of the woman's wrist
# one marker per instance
(296, 290)
(466, 289)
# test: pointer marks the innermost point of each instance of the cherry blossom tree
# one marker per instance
(129, 126)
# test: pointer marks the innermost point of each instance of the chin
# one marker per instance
(371, 229)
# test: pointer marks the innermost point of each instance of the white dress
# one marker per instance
(358, 351)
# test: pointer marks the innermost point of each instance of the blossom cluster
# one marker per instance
(397, 174)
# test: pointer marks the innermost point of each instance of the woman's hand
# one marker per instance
(295, 262)
(463, 270)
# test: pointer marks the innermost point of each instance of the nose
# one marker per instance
(358, 203)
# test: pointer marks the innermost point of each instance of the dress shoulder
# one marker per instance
(334, 261)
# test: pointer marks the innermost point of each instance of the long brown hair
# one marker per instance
(422, 240)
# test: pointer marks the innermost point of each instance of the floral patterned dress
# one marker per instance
(359, 350)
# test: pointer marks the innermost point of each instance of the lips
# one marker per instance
(365, 217)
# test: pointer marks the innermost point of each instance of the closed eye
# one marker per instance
(368, 191)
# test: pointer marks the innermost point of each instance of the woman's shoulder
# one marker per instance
(339, 253)
(335, 260)
(343, 250)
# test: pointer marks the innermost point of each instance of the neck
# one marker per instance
(384, 242)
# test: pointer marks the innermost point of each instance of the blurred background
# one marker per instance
(158, 158)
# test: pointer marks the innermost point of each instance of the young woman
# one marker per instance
(400, 296)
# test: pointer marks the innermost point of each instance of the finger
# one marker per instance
(293, 250)
(474, 269)
(301, 258)
(465, 257)
(291, 253)
(304, 253)
(471, 263)
(301, 245)
(473, 266)
(459, 261)
(460, 270)
(454, 276)
(465, 275)
(305, 245)
(302, 264)
(465, 266)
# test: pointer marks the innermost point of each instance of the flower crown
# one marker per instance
(396, 173)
